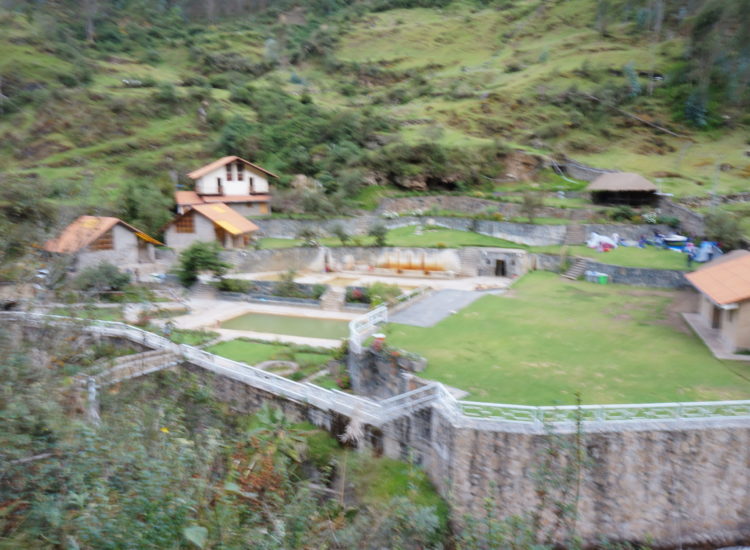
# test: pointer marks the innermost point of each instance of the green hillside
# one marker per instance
(432, 96)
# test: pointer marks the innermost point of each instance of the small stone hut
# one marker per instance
(616, 188)
(724, 309)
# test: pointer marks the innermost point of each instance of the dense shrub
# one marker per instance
(234, 285)
(102, 278)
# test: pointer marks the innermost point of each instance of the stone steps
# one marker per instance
(334, 299)
(575, 234)
(577, 269)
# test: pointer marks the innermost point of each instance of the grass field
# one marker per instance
(252, 353)
(650, 257)
(549, 339)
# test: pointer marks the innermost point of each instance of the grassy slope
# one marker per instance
(551, 339)
(549, 44)
(89, 151)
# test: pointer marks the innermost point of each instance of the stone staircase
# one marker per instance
(138, 364)
(333, 299)
(577, 269)
(575, 234)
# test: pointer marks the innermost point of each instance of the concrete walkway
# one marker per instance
(436, 307)
(712, 338)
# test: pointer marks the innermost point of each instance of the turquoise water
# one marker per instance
(292, 326)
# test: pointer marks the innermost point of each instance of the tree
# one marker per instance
(145, 206)
(530, 205)
(234, 137)
(341, 233)
(724, 228)
(380, 233)
(102, 278)
(200, 256)
(309, 236)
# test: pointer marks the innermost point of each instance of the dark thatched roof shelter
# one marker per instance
(623, 188)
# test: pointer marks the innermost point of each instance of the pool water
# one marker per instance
(292, 326)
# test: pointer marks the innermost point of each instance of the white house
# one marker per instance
(91, 240)
(229, 180)
(209, 222)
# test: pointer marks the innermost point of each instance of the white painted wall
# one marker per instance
(209, 183)
(204, 231)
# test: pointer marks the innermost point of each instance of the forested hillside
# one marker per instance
(105, 105)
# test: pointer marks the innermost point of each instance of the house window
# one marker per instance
(252, 190)
(185, 224)
(105, 242)
(229, 172)
(240, 172)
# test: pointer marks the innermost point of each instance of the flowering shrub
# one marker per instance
(650, 217)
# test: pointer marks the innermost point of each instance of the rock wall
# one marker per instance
(669, 483)
(691, 222)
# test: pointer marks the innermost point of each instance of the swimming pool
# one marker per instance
(292, 326)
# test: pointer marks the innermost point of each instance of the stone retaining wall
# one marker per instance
(472, 205)
(521, 233)
(636, 276)
(667, 484)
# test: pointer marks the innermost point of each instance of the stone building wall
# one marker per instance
(470, 261)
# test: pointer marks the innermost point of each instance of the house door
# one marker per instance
(500, 270)
(716, 318)
(221, 235)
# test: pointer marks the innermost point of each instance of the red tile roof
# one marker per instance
(85, 230)
(186, 198)
(203, 170)
(226, 218)
(725, 282)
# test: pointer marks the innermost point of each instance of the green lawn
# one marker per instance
(192, 337)
(98, 313)
(406, 236)
(655, 258)
(252, 353)
(549, 339)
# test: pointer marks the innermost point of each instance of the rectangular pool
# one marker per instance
(292, 326)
